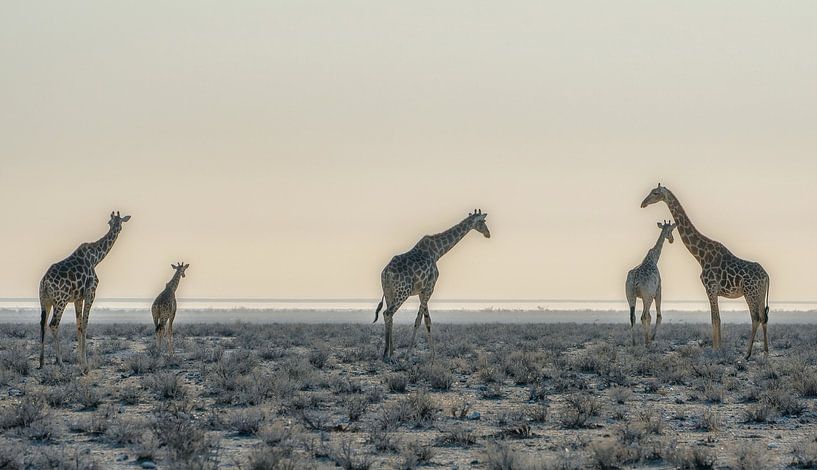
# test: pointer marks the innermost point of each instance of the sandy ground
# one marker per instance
(496, 396)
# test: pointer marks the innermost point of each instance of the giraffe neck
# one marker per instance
(439, 244)
(655, 252)
(96, 251)
(695, 241)
(173, 284)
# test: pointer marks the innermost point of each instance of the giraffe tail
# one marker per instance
(43, 318)
(766, 316)
(379, 306)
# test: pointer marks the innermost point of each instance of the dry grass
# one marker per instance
(497, 396)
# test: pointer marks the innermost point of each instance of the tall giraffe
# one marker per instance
(164, 307)
(415, 273)
(644, 282)
(723, 274)
(74, 280)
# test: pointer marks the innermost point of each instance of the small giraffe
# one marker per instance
(74, 280)
(164, 307)
(644, 281)
(723, 274)
(415, 273)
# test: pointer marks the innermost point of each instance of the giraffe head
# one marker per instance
(117, 220)
(666, 230)
(478, 222)
(656, 195)
(180, 268)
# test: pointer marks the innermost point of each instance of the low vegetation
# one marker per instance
(496, 397)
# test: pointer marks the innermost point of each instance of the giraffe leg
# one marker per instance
(159, 327)
(388, 319)
(716, 319)
(54, 326)
(752, 338)
(645, 319)
(427, 319)
(416, 326)
(44, 307)
(765, 340)
(90, 295)
(80, 336)
(657, 311)
(170, 335)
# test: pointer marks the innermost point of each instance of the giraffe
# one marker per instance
(644, 281)
(415, 273)
(74, 280)
(722, 273)
(164, 307)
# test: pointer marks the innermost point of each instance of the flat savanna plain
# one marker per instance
(497, 396)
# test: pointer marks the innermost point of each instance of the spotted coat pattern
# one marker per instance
(164, 307)
(722, 273)
(74, 280)
(415, 273)
(644, 282)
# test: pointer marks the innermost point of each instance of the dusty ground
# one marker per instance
(497, 396)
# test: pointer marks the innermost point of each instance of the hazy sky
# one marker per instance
(290, 149)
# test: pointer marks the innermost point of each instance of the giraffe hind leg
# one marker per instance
(657, 311)
(645, 319)
(54, 326)
(45, 307)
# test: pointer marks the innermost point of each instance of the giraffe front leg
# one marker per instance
(90, 295)
(657, 311)
(427, 319)
(416, 327)
(716, 319)
(78, 310)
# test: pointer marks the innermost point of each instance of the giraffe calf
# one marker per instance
(644, 282)
(164, 307)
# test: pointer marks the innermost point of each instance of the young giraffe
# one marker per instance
(723, 274)
(415, 273)
(164, 307)
(644, 281)
(74, 280)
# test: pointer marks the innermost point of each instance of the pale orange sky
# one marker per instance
(289, 149)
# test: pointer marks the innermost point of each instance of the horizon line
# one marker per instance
(365, 299)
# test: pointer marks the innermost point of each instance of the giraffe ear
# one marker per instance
(126, 218)
(659, 225)
(172, 265)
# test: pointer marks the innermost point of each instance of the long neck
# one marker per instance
(173, 284)
(655, 252)
(694, 240)
(100, 248)
(439, 244)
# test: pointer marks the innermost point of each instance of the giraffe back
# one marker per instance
(409, 274)
(68, 280)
